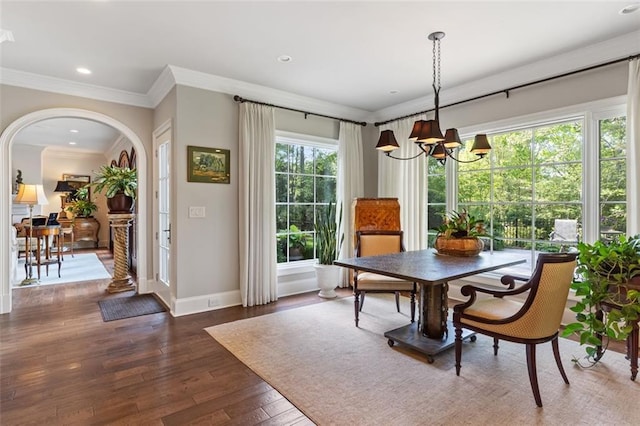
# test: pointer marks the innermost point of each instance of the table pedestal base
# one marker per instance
(411, 336)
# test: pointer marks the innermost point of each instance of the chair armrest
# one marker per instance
(510, 280)
(471, 290)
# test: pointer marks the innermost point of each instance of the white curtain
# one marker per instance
(633, 148)
(257, 211)
(350, 183)
(407, 181)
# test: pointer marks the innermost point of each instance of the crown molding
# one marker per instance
(599, 53)
(29, 80)
(161, 87)
(259, 93)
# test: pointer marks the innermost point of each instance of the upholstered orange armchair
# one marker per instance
(535, 321)
(376, 243)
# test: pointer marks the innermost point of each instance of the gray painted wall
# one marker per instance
(206, 250)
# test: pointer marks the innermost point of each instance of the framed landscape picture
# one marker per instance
(209, 165)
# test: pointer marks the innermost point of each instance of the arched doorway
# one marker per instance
(6, 141)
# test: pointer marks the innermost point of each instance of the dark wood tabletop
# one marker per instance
(429, 267)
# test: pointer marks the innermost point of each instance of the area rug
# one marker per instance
(80, 267)
(129, 306)
(338, 374)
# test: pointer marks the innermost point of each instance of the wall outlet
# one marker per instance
(196, 211)
(213, 302)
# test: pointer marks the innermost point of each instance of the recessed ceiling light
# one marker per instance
(83, 70)
(72, 143)
(629, 9)
(73, 131)
(285, 58)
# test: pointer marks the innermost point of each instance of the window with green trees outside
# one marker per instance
(536, 174)
(305, 184)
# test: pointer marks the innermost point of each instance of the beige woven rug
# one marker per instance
(338, 374)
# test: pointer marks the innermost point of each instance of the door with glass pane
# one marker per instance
(162, 221)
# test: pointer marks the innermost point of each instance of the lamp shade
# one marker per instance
(31, 194)
(387, 141)
(452, 139)
(430, 132)
(481, 145)
(63, 186)
(438, 152)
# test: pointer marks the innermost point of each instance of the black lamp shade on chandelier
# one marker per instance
(427, 134)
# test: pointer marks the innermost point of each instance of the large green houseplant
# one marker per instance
(119, 185)
(329, 239)
(608, 284)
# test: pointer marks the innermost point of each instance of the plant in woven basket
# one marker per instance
(461, 225)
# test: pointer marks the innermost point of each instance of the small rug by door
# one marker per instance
(128, 307)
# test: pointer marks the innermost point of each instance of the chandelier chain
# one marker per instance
(436, 64)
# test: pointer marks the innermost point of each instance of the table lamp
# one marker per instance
(63, 186)
(31, 195)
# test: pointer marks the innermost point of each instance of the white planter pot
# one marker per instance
(328, 277)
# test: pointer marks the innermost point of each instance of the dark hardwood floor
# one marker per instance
(61, 364)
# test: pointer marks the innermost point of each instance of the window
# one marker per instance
(306, 170)
(538, 174)
(612, 177)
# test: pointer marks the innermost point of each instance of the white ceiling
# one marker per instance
(352, 54)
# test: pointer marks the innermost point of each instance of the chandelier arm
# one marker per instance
(405, 158)
(448, 154)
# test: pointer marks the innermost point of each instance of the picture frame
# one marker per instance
(208, 165)
(76, 182)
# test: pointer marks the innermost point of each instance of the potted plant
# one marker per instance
(81, 206)
(297, 241)
(459, 235)
(608, 284)
(119, 184)
(329, 238)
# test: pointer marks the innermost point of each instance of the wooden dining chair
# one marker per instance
(376, 243)
(534, 321)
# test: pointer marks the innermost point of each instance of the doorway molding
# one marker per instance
(6, 143)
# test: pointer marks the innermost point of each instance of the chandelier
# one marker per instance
(427, 134)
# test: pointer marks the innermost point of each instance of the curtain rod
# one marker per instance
(506, 91)
(241, 100)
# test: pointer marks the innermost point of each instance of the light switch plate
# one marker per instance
(196, 211)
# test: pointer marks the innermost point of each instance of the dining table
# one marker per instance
(432, 271)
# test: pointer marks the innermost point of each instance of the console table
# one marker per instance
(84, 228)
(43, 233)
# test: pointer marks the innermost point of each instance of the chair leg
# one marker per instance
(361, 301)
(356, 304)
(398, 301)
(533, 376)
(495, 346)
(556, 355)
(413, 307)
(458, 349)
